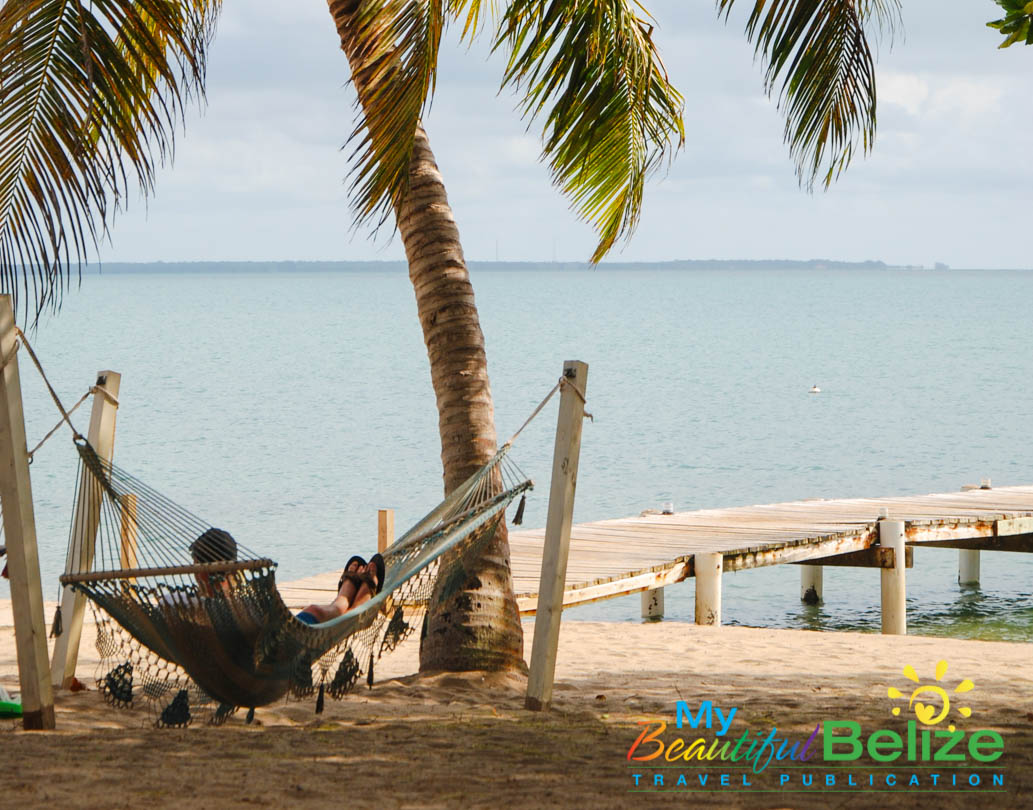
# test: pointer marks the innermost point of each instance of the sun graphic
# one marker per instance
(930, 714)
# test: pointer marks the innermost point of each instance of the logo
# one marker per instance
(924, 748)
(930, 714)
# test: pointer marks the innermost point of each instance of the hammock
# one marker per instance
(192, 622)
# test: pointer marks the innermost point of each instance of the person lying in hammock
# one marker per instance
(213, 546)
(359, 583)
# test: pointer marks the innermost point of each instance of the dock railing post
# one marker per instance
(893, 590)
(86, 519)
(30, 633)
(565, 457)
(709, 567)
(385, 529)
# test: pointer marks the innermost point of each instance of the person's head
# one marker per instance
(215, 545)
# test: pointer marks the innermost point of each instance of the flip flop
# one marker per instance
(344, 574)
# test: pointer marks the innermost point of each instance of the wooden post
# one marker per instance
(565, 457)
(893, 590)
(709, 567)
(385, 529)
(85, 519)
(811, 580)
(20, 528)
(653, 604)
(127, 557)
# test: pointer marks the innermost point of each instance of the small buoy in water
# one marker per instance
(814, 390)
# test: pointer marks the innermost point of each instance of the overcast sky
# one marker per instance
(260, 174)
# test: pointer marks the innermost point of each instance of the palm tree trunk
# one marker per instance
(477, 627)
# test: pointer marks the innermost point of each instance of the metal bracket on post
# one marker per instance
(86, 519)
(20, 528)
(566, 454)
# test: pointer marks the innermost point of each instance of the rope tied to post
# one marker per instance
(560, 383)
(53, 394)
(62, 421)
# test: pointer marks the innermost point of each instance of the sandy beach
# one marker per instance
(465, 740)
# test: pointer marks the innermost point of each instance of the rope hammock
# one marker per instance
(191, 622)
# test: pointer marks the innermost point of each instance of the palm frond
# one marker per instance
(393, 51)
(90, 95)
(820, 51)
(611, 113)
(472, 13)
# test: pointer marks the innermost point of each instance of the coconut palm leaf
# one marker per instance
(393, 52)
(820, 51)
(611, 114)
(90, 93)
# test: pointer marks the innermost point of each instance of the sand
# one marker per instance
(465, 740)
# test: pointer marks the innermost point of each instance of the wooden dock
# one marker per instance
(611, 558)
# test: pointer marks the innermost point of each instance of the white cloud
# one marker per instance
(907, 90)
(970, 99)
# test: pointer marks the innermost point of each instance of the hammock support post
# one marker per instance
(20, 528)
(566, 455)
(385, 529)
(86, 519)
(127, 556)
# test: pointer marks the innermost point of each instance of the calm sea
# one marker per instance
(288, 408)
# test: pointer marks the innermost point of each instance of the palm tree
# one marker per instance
(91, 95)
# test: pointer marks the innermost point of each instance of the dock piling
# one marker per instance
(968, 566)
(811, 584)
(893, 590)
(653, 604)
(709, 567)
(968, 558)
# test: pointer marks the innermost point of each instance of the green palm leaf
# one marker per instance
(819, 50)
(90, 93)
(1015, 26)
(393, 52)
(611, 114)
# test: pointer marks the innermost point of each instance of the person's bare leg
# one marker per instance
(347, 592)
(341, 604)
(364, 595)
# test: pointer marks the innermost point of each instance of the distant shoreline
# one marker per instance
(487, 266)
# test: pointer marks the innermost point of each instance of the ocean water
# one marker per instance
(288, 408)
